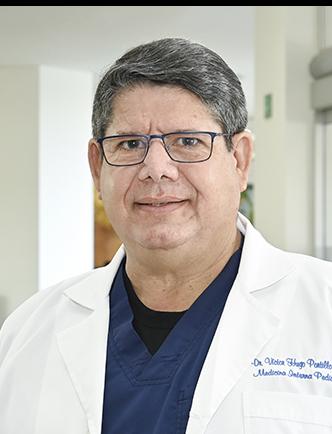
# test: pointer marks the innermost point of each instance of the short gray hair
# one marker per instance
(180, 62)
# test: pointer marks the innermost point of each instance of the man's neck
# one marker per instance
(172, 282)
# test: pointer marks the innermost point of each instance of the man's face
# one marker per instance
(162, 204)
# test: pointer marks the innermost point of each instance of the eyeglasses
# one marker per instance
(182, 147)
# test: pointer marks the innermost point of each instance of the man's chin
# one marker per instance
(162, 241)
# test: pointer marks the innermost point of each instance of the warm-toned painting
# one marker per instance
(106, 240)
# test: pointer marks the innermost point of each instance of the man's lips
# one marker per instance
(160, 203)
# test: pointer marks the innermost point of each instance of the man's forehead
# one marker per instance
(164, 108)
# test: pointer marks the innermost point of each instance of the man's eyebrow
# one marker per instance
(124, 133)
(134, 133)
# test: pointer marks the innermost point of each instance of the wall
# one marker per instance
(285, 42)
(19, 186)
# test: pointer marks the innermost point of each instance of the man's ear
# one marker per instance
(243, 148)
(95, 162)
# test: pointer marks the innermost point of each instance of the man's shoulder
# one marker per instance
(311, 261)
(52, 293)
(43, 302)
(310, 266)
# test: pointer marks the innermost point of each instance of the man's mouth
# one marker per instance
(164, 203)
(159, 203)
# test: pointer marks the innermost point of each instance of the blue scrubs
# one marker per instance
(152, 394)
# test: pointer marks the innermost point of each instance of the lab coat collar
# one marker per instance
(90, 291)
(83, 344)
(262, 264)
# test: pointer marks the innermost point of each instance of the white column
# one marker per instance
(285, 42)
(65, 183)
(46, 219)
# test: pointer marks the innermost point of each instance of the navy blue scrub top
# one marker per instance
(152, 394)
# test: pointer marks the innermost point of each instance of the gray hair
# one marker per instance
(180, 62)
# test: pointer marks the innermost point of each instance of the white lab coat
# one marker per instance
(268, 370)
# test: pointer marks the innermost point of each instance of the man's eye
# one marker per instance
(131, 144)
(188, 141)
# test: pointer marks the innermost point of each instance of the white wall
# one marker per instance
(285, 42)
(65, 183)
(19, 185)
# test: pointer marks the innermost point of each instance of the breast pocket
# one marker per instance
(286, 413)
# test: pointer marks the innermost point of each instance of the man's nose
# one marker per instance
(157, 163)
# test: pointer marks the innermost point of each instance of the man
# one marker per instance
(198, 325)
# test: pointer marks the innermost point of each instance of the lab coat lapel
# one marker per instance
(83, 344)
(244, 328)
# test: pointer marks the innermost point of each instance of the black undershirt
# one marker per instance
(152, 326)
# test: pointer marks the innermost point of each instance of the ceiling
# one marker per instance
(92, 37)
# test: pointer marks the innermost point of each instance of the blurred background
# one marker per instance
(52, 224)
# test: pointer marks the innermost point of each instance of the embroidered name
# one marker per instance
(308, 369)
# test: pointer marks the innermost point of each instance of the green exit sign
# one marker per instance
(268, 106)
